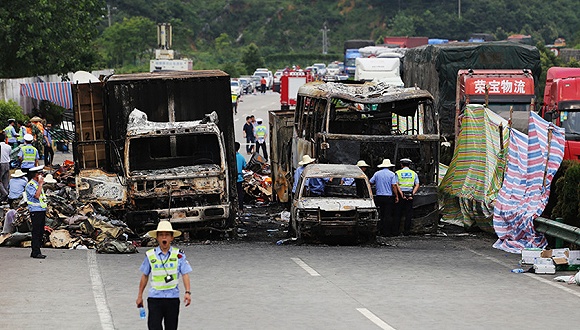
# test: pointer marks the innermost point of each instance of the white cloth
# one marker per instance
(5, 152)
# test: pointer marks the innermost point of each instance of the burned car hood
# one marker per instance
(334, 204)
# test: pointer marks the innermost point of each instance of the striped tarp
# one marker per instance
(476, 170)
(532, 163)
(58, 93)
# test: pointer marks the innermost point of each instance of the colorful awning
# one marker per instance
(58, 93)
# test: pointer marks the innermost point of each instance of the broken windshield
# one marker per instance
(172, 151)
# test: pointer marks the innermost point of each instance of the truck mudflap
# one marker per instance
(98, 185)
(317, 223)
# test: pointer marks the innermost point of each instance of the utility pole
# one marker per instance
(109, 13)
(459, 9)
(325, 31)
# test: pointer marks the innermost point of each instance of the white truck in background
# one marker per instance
(386, 68)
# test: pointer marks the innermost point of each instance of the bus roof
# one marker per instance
(367, 93)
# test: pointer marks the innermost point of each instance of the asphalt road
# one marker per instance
(409, 283)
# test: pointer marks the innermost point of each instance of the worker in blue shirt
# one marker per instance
(241, 165)
(386, 197)
(165, 264)
(306, 159)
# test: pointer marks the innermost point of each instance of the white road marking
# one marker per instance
(557, 285)
(375, 319)
(304, 266)
(99, 292)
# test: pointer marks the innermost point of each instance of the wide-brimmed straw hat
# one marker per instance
(306, 160)
(18, 174)
(362, 163)
(164, 226)
(386, 163)
(49, 179)
(35, 118)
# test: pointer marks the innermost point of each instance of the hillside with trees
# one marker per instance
(86, 34)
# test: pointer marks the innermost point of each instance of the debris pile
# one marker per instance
(70, 224)
(257, 181)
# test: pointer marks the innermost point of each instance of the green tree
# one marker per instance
(10, 109)
(129, 41)
(403, 26)
(252, 58)
(47, 37)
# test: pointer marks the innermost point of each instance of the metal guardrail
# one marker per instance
(558, 230)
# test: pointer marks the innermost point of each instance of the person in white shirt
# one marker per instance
(5, 150)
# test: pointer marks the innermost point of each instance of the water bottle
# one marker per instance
(517, 270)
(142, 313)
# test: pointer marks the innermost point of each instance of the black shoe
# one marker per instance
(38, 256)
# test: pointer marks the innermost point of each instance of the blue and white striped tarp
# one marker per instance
(532, 162)
(58, 93)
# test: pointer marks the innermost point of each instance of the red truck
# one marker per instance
(500, 89)
(290, 81)
(562, 106)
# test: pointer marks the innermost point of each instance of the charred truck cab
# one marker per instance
(342, 123)
(158, 146)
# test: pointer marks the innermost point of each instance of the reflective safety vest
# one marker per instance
(161, 268)
(20, 137)
(261, 131)
(406, 178)
(8, 132)
(41, 200)
(28, 153)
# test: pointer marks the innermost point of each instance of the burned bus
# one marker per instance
(341, 123)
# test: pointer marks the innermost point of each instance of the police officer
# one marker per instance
(408, 186)
(261, 133)
(28, 155)
(165, 264)
(386, 197)
(11, 135)
(36, 201)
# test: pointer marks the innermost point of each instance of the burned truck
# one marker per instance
(342, 123)
(160, 145)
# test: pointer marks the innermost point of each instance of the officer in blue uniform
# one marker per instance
(165, 264)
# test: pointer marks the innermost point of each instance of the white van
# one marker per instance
(266, 74)
(385, 69)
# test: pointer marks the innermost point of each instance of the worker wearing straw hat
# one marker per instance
(306, 159)
(165, 264)
(386, 196)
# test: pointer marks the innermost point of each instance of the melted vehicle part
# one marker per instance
(109, 189)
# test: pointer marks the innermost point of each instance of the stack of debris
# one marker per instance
(257, 181)
(70, 224)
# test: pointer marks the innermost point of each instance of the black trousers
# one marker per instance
(387, 226)
(250, 144)
(163, 309)
(38, 220)
(405, 209)
(263, 146)
(48, 155)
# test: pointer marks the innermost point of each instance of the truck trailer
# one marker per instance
(435, 68)
(158, 146)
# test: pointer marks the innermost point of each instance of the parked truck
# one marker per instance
(351, 53)
(290, 81)
(562, 106)
(155, 146)
(384, 68)
(509, 93)
(436, 67)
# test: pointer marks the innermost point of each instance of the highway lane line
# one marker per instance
(304, 266)
(375, 319)
(557, 285)
(99, 292)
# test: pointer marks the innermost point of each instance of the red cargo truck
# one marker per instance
(562, 106)
(289, 83)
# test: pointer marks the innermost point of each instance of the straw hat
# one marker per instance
(49, 179)
(164, 225)
(362, 163)
(35, 119)
(386, 163)
(306, 160)
(18, 174)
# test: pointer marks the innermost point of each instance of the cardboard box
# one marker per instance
(574, 257)
(544, 266)
(528, 255)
